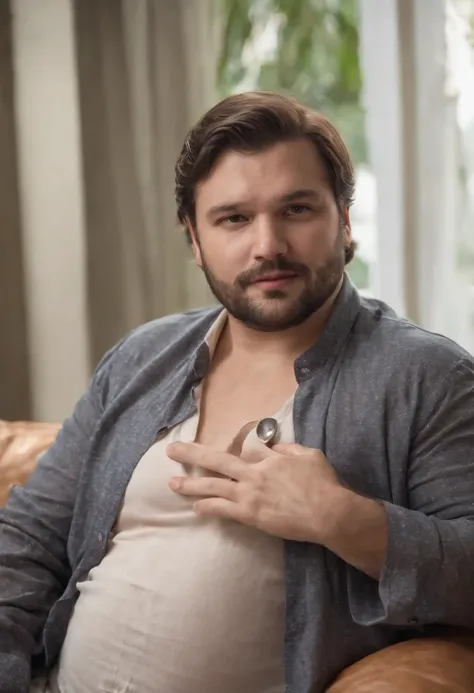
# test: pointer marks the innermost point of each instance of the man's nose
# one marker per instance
(270, 239)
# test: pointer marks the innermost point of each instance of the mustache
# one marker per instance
(280, 264)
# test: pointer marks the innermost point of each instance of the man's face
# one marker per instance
(269, 236)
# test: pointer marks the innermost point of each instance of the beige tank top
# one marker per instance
(180, 603)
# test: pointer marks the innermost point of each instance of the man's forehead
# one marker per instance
(276, 173)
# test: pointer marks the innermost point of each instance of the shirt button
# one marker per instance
(100, 536)
(413, 621)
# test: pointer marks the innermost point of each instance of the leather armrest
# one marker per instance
(424, 665)
(20, 444)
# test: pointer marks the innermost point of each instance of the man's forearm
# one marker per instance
(358, 532)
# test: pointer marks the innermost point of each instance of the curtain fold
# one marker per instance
(139, 93)
(145, 72)
(15, 394)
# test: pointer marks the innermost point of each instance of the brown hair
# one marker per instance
(251, 122)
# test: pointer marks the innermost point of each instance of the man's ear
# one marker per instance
(194, 241)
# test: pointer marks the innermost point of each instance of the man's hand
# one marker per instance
(290, 491)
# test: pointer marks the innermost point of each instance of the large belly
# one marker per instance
(190, 611)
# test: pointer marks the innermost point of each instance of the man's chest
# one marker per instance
(231, 398)
(365, 438)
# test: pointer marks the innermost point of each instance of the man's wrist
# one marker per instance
(340, 503)
(356, 530)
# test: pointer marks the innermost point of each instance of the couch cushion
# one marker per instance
(425, 665)
(20, 444)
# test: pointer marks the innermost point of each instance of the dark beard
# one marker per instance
(319, 286)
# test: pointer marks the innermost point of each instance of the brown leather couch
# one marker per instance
(425, 665)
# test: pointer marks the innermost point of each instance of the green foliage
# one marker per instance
(315, 57)
(358, 270)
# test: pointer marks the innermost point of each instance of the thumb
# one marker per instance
(291, 449)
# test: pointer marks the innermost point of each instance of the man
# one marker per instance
(168, 544)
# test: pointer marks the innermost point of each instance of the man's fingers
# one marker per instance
(291, 449)
(204, 486)
(221, 507)
(205, 457)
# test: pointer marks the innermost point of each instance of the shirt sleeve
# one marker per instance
(428, 575)
(34, 530)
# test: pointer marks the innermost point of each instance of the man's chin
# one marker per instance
(273, 321)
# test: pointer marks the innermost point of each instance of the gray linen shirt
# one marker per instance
(392, 407)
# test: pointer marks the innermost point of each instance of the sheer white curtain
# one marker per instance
(414, 144)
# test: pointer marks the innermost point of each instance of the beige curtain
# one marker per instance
(14, 362)
(146, 72)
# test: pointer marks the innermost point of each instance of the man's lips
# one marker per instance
(275, 280)
(275, 277)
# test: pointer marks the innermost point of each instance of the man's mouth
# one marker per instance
(274, 279)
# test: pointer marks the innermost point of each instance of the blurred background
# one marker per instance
(96, 97)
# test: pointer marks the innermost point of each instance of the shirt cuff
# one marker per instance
(405, 594)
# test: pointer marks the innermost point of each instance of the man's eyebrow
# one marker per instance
(234, 207)
(302, 194)
(224, 209)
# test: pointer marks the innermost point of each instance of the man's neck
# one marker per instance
(240, 341)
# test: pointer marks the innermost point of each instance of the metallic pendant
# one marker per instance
(267, 430)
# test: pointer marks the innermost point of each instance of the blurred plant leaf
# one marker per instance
(315, 57)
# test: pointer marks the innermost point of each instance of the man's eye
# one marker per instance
(297, 209)
(235, 219)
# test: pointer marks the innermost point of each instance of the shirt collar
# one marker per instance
(214, 332)
(339, 326)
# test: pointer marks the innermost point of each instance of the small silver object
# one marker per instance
(267, 430)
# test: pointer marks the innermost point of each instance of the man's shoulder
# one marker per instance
(175, 336)
(403, 344)
(160, 332)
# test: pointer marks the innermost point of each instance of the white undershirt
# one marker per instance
(179, 604)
